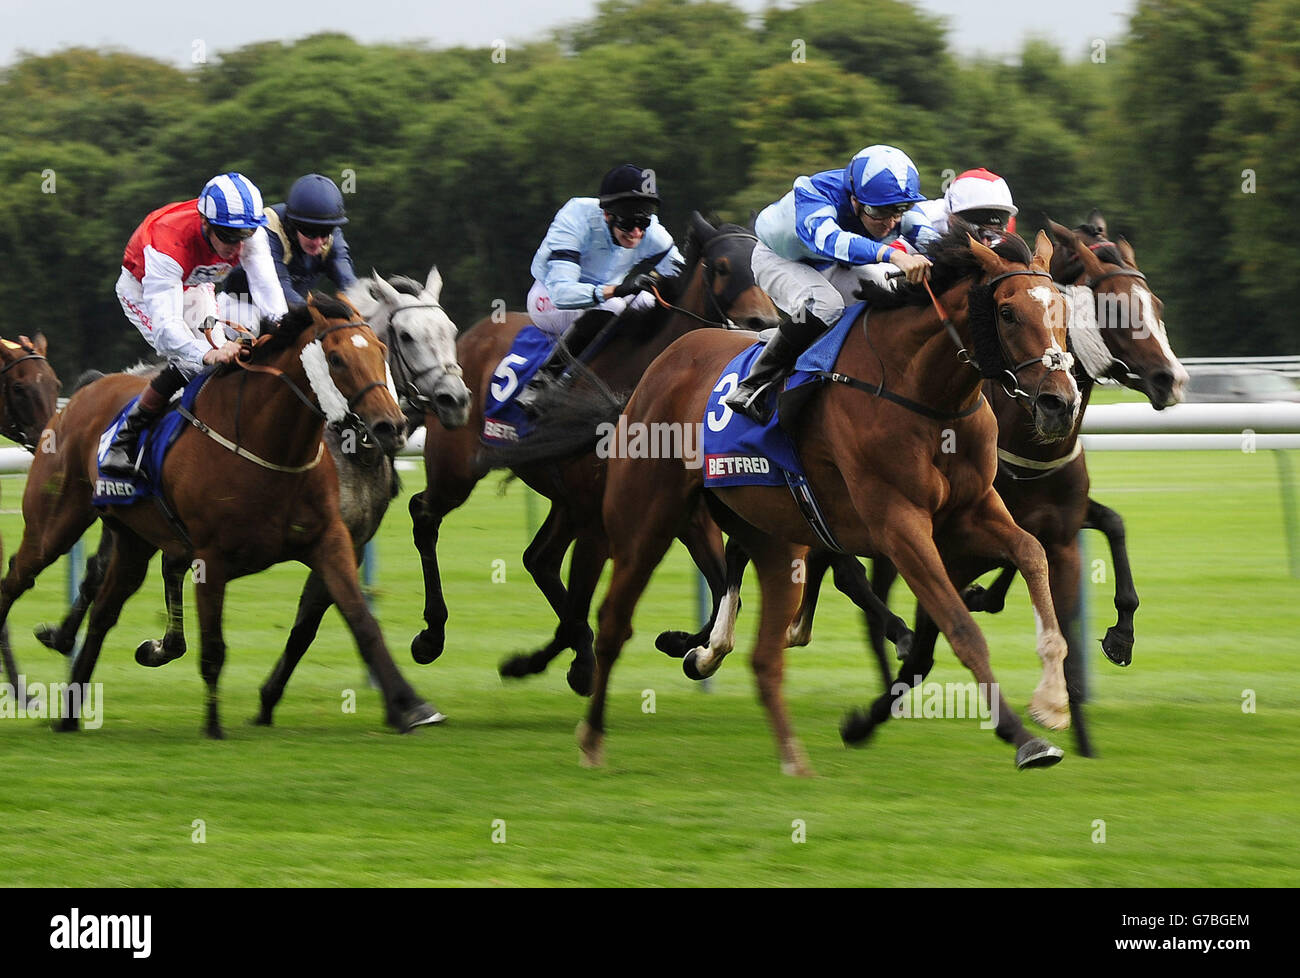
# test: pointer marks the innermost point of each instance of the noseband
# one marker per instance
(406, 376)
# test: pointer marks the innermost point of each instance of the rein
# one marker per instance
(718, 307)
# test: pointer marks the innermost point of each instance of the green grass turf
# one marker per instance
(1192, 790)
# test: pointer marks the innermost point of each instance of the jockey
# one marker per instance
(815, 245)
(593, 265)
(166, 290)
(306, 238)
(978, 196)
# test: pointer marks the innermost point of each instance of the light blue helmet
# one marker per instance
(231, 200)
(882, 176)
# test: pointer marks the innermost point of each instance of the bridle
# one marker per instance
(405, 376)
(11, 429)
(734, 290)
(1009, 375)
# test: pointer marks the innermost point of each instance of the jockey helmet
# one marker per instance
(628, 182)
(315, 199)
(882, 176)
(231, 200)
(980, 197)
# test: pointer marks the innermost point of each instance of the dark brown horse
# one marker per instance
(235, 509)
(879, 466)
(560, 460)
(1116, 333)
(29, 396)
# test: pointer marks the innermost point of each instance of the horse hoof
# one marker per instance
(1050, 718)
(590, 746)
(261, 720)
(65, 725)
(426, 647)
(975, 597)
(152, 653)
(1037, 753)
(579, 677)
(856, 728)
(689, 666)
(49, 636)
(674, 644)
(903, 647)
(515, 667)
(214, 732)
(1117, 646)
(420, 715)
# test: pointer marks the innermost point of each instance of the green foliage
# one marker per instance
(461, 157)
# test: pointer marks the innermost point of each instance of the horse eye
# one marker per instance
(406, 337)
(335, 360)
(1007, 313)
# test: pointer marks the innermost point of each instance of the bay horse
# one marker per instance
(322, 361)
(29, 396)
(421, 341)
(559, 460)
(880, 469)
(1116, 333)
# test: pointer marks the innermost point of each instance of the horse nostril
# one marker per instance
(1053, 404)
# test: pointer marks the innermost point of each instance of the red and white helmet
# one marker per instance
(979, 190)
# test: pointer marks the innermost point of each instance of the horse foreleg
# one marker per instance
(1063, 570)
(993, 598)
(62, 638)
(703, 541)
(123, 575)
(851, 580)
(334, 559)
(1118, 642)
(154, 652)
(917, 662)
(543, 559)
(312, 605)
(590, 553)
(989, 531)
(781, 593)
(209, 600)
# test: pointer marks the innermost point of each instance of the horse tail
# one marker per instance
(570, 424)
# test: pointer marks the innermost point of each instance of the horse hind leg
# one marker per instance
(312, 605)
(816, 564)
(858, 725)
(851, 580)
(705, 658)
(703, 541)
(158, 652)
(543, 559)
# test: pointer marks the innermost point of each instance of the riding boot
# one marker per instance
(752, 397)
(120, 461)
(575, 339)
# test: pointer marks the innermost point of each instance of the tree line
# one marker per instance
(1182, 132)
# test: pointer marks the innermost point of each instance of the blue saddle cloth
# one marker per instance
(504, 421)
(738, 452)
(155, 441)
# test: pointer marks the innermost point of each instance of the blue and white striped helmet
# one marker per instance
(231, 200)
(883, 176)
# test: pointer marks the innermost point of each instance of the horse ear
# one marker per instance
(316, 316)
(1061, 235)
(382, 291)
(985, 255)
(433, 284)
(1042, 259)
(39, 344)
(1126, 251)
(703, 230)
(343, 298)
(1098, 220)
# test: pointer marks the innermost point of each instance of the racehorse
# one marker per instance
(209, 483)
(560, 461)
(1116, 332)
(29, 396)
(879, 467)
(421, 341)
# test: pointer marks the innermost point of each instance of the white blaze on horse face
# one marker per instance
(1148, 321)
(359, 341)
(331, 400)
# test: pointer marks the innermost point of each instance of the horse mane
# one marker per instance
(1071, 267)
(407, 286)
(285, 335)
(952, 260)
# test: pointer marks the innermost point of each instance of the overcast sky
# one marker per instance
(167, 29)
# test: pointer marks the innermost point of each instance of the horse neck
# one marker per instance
(264, 415)
(664, 328)
(919, 359)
